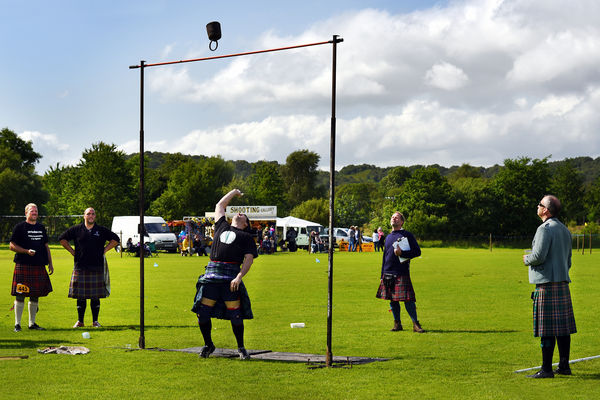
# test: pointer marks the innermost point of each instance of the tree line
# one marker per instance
(438, 202)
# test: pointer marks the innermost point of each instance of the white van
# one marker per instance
(302, 227)
(156, 228)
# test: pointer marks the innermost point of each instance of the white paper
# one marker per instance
(404, 246)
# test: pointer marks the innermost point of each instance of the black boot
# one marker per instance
(564, 350)
(563, 367)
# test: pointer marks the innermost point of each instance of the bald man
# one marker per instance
(87, 279)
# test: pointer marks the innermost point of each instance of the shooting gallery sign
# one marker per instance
(253, 212)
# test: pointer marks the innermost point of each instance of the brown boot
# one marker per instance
(417, 327)
(397, 326)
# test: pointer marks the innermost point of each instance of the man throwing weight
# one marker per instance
(220, 292)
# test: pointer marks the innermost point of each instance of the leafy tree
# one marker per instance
(465, 171)
(315, 210)
(475, 206)
(19, 184)
(266, 185)
(300, 175)
(592, 201)
(425, 200)
(394, 180)
(567, 185)
(194, 188)
(103, 181)
(354, 203)
(57, 180)
(155, 178)
(518, 188)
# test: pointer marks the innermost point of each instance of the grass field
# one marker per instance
(475, 305)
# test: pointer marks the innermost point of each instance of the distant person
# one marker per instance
(29, 241)
(315, 242)
(87, 279)
(352, 239)
(185, 246)
(220, 291)
(291, 236)
(359, 240)
(273, 238)
(395, 284)
(375, 238)
(549, 263)
(381, 235)
(199, 244)
(130, 246)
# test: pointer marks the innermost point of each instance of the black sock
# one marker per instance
(238, 331)
(547, 352)
(95, 306)
(564, 350)
(81, 304)
(205, 329)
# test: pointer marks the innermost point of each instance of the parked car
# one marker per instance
(341, 234)
(338, 234)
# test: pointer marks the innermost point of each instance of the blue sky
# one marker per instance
(419, 82)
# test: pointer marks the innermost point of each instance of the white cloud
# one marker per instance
(527, 70)
(52, 149)
(45, 140)
(446, 76)
(555, 106)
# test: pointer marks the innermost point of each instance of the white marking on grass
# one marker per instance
(555, 364)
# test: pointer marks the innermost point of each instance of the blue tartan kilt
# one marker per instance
(87, 284)
(403, 290)
(30, 281)
(553, 310)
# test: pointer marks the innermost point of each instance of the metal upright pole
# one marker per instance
(329, 354)
(142, 340)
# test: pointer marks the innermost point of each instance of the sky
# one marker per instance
(418, 82)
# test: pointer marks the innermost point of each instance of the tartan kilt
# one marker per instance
(403, 290)
(34, 277)
(553, 310)
(87, 284)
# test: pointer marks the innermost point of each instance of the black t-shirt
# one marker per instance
(231, 244)
(30, 236)
(89, 244)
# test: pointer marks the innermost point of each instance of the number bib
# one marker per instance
(21, 288)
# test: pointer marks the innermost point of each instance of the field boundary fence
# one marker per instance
(583, 243)
(55, 225)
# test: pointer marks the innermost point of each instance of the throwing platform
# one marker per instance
(268, 355)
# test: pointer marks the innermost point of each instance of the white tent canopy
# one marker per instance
(295, 222)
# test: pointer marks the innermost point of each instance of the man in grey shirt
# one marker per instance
(549, 263)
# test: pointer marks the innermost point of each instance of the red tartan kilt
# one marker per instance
(403, 290)
(33, 277)
(87, 284)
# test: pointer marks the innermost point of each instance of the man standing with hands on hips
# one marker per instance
(30, 243)
(87, 279)
(549, 263)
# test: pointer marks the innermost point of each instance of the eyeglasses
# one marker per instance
(541, 205)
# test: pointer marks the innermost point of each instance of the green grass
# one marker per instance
(474, 303)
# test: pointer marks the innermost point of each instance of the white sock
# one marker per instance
(19, 306)
(33, 307)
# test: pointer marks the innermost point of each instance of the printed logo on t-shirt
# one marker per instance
(227, 237)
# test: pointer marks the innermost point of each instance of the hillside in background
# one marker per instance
(588, 166)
